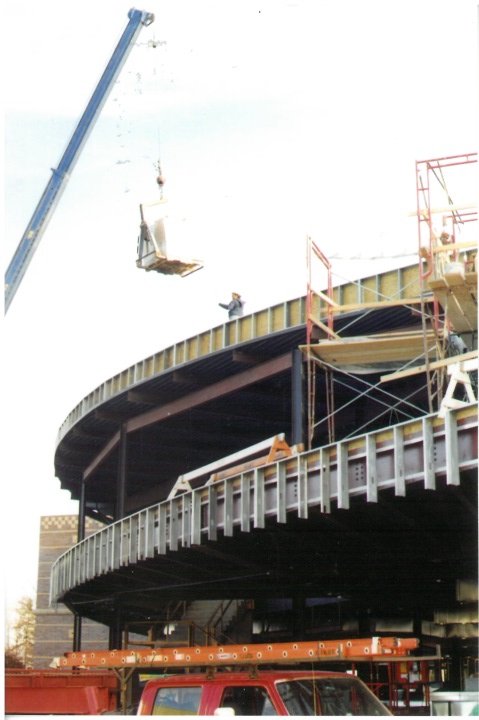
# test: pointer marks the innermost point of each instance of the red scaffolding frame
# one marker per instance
(453, 214)
(439, 246)
(314, 296)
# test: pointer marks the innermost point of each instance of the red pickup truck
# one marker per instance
(220, 690)
(264, 692)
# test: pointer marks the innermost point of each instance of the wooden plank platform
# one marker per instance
(375, 351)
(456, 292)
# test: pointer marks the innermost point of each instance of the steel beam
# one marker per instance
(414, 453)
(286, 315)
(122, 474)
(298, 410)
(189, 401)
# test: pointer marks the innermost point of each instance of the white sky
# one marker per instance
(273, 119)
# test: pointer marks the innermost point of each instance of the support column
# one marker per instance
(115, 640)
(122, 478)
(77, 620)
(298, 407)
(77, 633)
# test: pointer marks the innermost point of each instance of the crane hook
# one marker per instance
(160, 179)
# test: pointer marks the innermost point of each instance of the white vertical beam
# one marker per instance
(452, 453)
(174, 525)
(428, 450)
(133, 539)
(228, 508)
(90, 563)
(281, 492)
(245, 502)
(325, 480)
(302, 484)
(258, 498)
(123, 524)
(150, 533)
(399, 473)
(162, 528)
(116, 546)
(371, 469)
(141, 535)
(343, 481)
(196, 517)
(212, 512)
(82, 561)
(186, 519)
(98, 552)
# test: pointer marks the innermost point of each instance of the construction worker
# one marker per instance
(234, 307)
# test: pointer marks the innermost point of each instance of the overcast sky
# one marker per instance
(272, 119)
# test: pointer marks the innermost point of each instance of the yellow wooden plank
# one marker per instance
(471, 279)
(432, 366)
(454, 279)
(455, 246)
(370, 350)
(458, 304)
(466, 300)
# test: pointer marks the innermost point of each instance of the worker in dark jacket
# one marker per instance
(235, 307)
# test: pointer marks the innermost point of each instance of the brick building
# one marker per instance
(54, 626)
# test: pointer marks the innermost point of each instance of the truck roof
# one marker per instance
(244, 676)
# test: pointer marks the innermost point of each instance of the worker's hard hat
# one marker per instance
(237, 294)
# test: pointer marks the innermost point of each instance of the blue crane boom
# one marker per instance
(52, 193)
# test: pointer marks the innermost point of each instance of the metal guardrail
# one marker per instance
(416, 451)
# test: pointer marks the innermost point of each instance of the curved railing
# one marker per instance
(416, 451)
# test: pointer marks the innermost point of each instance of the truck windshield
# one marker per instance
(329, 696)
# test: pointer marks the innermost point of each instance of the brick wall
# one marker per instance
(54, 625)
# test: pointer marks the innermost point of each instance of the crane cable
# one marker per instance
(160, 179)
